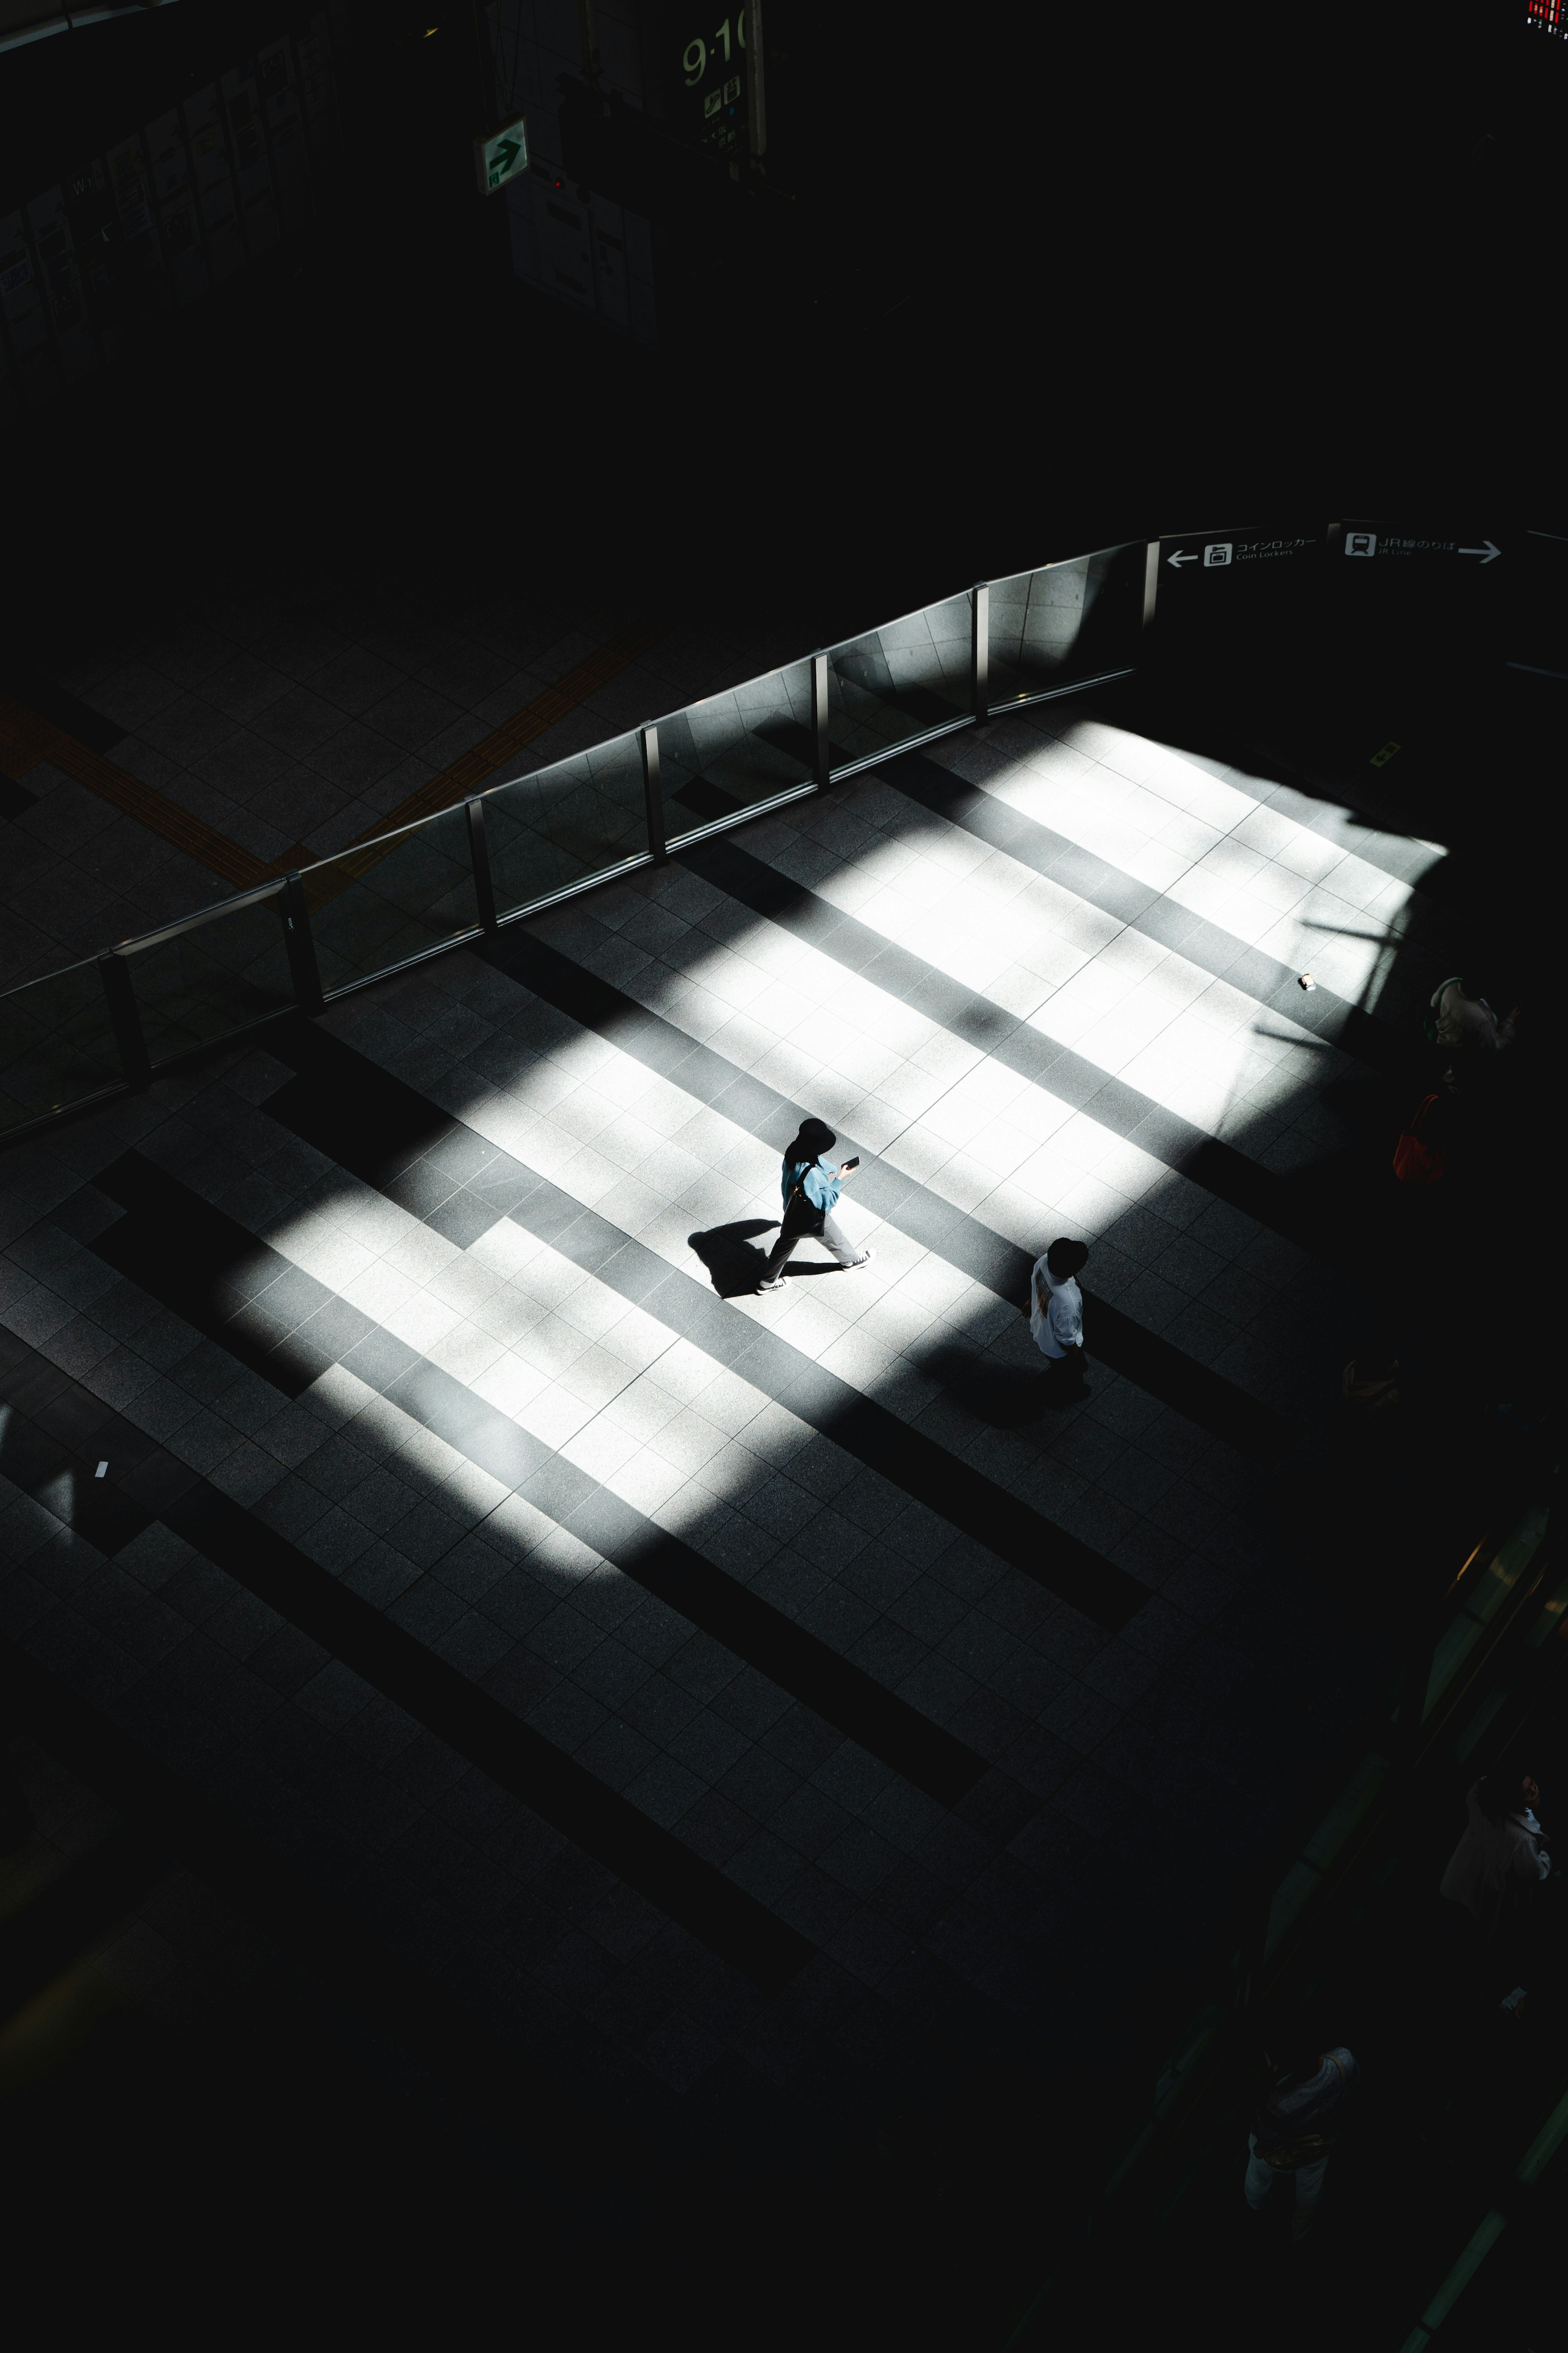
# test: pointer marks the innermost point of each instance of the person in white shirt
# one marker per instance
(1056, 1320)
(1299, 2122)
(1465, 1021)
(1504, 1845)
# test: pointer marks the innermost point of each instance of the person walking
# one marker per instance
(811, 1183)
(1056, 1320)
(1503, 1853)
(1297, 2123)
(1462, 1020)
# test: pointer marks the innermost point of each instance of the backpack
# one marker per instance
(802, 1217)
(1416, 1162)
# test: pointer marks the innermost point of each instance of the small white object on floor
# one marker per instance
(1305, 980)
(101, 1472)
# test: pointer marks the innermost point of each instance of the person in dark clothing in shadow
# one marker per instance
(1299, 2120)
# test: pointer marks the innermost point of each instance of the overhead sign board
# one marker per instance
(1231, 551)
(501, 155)
(1202, 612)
(1382, 542)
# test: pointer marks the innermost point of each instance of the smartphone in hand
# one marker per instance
(846, 1165)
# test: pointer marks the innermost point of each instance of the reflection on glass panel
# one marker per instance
(579, 817)
(218, 977)
(56, 1044)
(1069, 621)
(724, 754)
(900, 682)
(378, 905)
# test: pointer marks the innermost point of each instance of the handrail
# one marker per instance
(301, 896)
(1036, 664)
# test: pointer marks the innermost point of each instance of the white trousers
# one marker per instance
(1261, 2178)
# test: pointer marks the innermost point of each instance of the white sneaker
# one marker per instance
(864, 1260)
(776, 1285)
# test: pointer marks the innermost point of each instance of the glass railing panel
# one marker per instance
(389, 900)
(568, 822)
(898, 684)
(57, 1045)
(1491, 1581)
(223, 973)
(723, 755)
(1066, 623)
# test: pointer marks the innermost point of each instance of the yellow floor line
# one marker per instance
(470, 773)
(26, 739)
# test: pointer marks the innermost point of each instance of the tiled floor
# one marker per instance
(200, 2025)
(734, 1701)
(291, 715)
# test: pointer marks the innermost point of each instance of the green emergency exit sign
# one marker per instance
(501, 155)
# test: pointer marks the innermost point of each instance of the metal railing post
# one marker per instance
(301, 947)
(1151, 598)
(479, 850)
(125, 1018)
(980, 650)
(820, 754)
(652, 794)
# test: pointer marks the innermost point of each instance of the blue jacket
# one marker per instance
(821, 1188)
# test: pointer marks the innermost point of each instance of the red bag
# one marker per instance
(1416, 1162)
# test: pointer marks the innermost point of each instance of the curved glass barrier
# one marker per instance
(901, 684)
(576, 819)
(57, 1045)
(723, 755)
(1065, 623)
(220, 974)
(377, 906)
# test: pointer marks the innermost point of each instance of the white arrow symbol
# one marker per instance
(1489, 554)
(1179, 560)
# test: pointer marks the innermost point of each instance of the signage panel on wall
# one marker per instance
(315, 50)
(705, 68)
(1386, 543)
(286, 134)
(50, 224)
(501, 155)
(215, 189)
(169, 167)
(22, 306)
(1233, 551)
(247, 147)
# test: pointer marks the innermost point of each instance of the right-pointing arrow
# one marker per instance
(1489, 554)
(1178, 560)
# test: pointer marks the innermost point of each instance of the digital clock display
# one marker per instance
(712, 80)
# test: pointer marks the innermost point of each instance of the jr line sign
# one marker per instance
(1382, 542)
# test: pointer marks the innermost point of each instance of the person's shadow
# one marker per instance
(733, 1261)
(736, 1266)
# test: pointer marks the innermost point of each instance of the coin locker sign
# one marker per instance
(1227, 552)
(501, 155)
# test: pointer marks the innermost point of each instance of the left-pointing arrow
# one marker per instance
(1489, 554)
(1178, 560)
